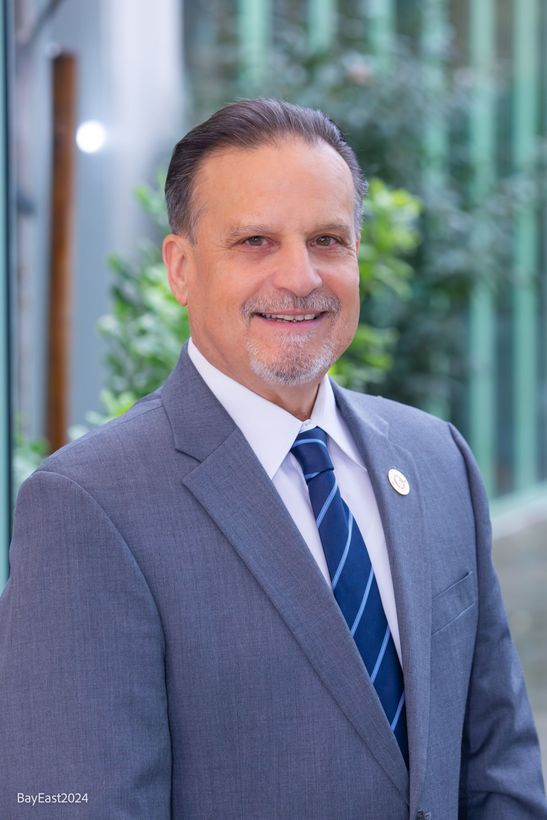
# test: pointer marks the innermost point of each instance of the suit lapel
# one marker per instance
(403, 522)
(235, 491)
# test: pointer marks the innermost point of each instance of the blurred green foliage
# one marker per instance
(146, 326)
(27, 455)
(390, 235)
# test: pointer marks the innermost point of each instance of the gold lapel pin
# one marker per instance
(398, 481)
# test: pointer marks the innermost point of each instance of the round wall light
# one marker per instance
(91, 136)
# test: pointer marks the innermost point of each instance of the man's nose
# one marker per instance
(296, 271)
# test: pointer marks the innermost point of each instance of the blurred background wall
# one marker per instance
(130, 80)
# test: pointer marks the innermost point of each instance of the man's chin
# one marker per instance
(291, 370)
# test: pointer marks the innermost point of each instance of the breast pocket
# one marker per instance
(452, 603)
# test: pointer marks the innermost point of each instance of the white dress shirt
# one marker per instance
(271, 432)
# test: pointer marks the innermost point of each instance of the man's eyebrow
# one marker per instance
(248, 230)
(335, 227)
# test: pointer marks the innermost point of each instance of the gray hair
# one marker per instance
(248, 124)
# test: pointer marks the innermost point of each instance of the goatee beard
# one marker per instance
(292, 365)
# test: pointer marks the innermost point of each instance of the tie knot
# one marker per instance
(310, 450)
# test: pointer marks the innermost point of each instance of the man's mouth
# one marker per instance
(287, 317)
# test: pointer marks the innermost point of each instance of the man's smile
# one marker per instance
(293, 318)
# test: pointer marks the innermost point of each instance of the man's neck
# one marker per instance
(298, 400)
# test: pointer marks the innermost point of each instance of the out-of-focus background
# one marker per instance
(445, 102)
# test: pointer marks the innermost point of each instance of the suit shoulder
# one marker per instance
(397, 410)
(392, 412)
(121, 441)
(424, 435)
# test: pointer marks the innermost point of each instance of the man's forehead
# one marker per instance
(234, 171)
(234, 158)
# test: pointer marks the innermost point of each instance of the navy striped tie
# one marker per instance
(353, 581)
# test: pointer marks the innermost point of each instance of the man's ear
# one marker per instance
(176, 253)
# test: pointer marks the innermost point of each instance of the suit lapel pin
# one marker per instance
(398, 481)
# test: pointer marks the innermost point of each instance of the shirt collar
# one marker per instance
(270, 430)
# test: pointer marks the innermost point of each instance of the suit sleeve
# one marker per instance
(501, 766)
(82, 671)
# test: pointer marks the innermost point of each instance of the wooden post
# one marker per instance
(62, 217)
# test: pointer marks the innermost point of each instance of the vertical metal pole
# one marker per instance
(5, 403)
(526, 331)
(482, 326)
(254, 29)
(321, 23)
(380, 27)
(433, 22)
(435, 135)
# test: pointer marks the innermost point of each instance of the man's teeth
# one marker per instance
(282, 317)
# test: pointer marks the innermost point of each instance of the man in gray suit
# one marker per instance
(258, 595)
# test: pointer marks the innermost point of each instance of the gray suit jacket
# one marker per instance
(169, 647)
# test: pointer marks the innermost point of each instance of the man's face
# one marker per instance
(271, 280)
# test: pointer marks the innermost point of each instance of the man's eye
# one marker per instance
(327, 241)
(255, 241)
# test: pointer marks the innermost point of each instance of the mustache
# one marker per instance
(314, 303)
